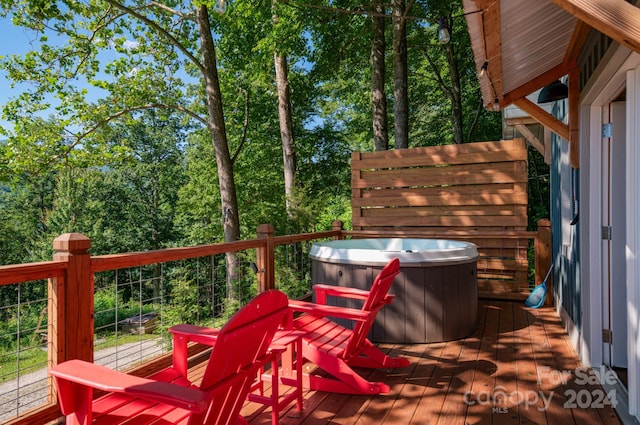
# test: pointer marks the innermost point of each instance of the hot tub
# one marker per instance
(436, 290)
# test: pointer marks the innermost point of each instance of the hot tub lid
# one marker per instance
(411, 251)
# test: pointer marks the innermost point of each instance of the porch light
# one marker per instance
(553, 92)
(220, 6)
(483, 69)
(443, 33)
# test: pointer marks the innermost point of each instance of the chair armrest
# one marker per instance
(89, 375)
(182, 335)
(341, 291)
(322, 291)
(193, 333)
(329, 310)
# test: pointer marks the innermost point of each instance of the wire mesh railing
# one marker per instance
(46, 315)
(135, 306)
(293, 268)
(23, 347)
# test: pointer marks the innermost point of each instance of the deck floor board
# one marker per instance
(517, 368)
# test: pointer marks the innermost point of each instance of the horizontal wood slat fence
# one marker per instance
(475, 192)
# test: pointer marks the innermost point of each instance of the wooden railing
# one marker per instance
(71, 290)
(71, 279)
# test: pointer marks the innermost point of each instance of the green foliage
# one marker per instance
(110, 309)
(184, 306)
(537, 189)
(31, 359)
(108, 66)
(128, 204)
(292, 282)
(110, 136)
(22, 324)
(22, 205)
(198, 208)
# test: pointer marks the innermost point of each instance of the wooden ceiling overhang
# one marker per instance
(520, 46)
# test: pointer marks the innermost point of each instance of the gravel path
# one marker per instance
(30, 390)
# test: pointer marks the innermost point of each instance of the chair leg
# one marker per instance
(371, 357)
(356, 386)
(343, 378)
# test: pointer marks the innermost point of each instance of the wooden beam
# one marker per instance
(615, 18)
(574, 121)
(543, 117)
(544, 257)
(493, 46)
(531, 138)
(264, 257)
(474, 17)
(538, 82)
(520, 121)
(578, 38)
(71, 326)
(547, 145)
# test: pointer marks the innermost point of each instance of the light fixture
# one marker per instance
(483, 69)
(253, 266)
(553, 92)
(443, 33)
(220, 6)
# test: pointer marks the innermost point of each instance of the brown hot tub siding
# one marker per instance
(432, 304)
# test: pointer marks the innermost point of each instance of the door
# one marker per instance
(613, 239)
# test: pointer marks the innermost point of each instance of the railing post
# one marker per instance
(71, 301)
(266, 259)
(542, 247)
(338, 226)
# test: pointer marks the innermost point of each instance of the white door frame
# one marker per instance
(618, 320)
(619, 69)
(633, 237)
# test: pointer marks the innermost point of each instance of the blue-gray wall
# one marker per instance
(564, 206)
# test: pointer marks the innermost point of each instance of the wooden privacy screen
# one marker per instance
(475, 192)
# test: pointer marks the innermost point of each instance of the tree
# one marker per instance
(128, 204)
(23, 203)
(452, 89)
(378, 97)
(285, 112)
(286, 129)
(451, 68)
(400, 75)
(151, 63)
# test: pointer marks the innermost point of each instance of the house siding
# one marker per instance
(565, 243)
(565, 195)
(591, 55)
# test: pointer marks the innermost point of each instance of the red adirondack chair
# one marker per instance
(240, 349)
(336, 349)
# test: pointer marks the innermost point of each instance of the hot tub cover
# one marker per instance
(410, 251)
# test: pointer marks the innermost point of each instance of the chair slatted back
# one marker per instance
(241, 343)
(374, 302)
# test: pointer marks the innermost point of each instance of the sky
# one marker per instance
(15, 41)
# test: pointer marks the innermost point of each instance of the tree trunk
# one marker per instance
(229, 201)
(400, 91)
(286, 131)
(455, 94)
(378, 99)
(228, 198)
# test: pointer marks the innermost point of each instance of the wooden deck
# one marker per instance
(518, 368)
